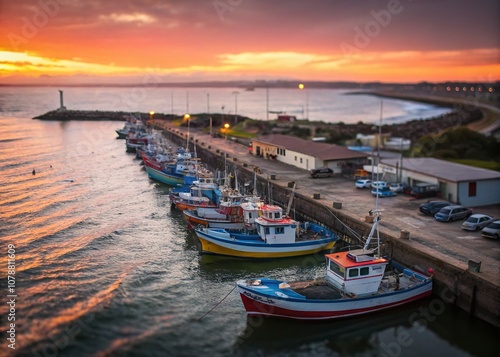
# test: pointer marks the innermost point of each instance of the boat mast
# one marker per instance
(376, 211)
(291, 200)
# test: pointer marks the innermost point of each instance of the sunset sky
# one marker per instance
(151, 41)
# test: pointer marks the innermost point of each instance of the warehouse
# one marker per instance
(461, 184)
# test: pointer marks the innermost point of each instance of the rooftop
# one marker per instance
(444, 170)
(319, 150)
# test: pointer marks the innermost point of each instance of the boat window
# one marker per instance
(337, 269)
(353, 272)
(279, 230)
(277, 215)
(364, 271)
(266, 230)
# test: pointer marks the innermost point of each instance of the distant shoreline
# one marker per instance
(489, 123)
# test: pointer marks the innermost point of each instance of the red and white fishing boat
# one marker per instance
(357, 282)
(228, 215)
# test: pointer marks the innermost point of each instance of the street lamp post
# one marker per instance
(302, 86)
(267, 103)
(187, 117)
(236, 107)
(151, 122)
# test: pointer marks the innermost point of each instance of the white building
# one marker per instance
(307, 154)
(462, 184)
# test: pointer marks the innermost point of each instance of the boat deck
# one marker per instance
(319, 289)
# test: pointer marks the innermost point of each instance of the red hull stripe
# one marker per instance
(256, 307)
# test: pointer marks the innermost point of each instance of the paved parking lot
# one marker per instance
(399, 212)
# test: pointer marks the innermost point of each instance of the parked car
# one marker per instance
(321, 172)
(452, 213)
(432, 207)
(397, 187)
(422, 190)
(379, 184)
(492, 230)
(477, 222)
(383, 192)
(363, 183)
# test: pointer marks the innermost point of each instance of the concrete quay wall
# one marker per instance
(454, 283)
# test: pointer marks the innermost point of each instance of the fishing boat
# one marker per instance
(175, 171)
(228, 215)
(268, 234)
(357, 282)
(131, 125)
(135, 140)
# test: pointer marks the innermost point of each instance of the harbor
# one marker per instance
(473, 281)
(247, 179)
(469, 282)
(106, 266)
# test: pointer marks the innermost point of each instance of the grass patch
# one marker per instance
(490, 165)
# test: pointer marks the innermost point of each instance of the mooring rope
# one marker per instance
(209, 311)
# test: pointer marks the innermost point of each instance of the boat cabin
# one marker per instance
(252, 209)
(272, 213)
(357, 272)
(274, 228)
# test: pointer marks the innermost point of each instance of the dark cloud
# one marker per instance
(417, 25)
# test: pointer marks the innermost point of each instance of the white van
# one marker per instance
(379, 184)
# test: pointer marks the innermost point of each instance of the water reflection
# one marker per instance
(406, 331)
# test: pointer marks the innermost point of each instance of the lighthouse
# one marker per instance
(61, 107)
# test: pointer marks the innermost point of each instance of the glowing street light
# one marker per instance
(302, 86)
(187, 117)
(151, 113)
(226, 128)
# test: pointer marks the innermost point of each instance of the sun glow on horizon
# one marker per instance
(396, 66)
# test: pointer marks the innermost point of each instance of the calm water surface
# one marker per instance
(104, 267)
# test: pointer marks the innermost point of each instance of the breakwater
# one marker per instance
(453, 284)
(97, 115)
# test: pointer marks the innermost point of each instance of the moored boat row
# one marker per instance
(229, 223)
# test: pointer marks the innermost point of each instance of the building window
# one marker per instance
(472, 189)
(301, 160)
(295, 158)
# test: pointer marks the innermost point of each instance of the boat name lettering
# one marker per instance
(259, 298)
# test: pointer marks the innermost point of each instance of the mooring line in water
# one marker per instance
(209, 311)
